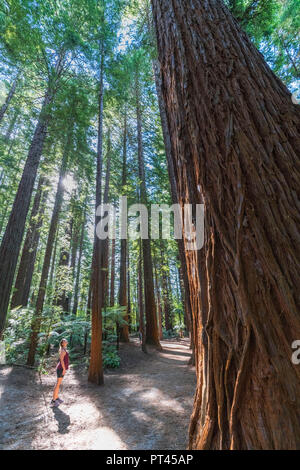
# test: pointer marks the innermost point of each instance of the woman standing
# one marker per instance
(61, 368)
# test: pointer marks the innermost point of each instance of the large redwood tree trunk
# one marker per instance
(235, 136)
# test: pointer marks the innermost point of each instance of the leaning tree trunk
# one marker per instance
(37, 318)
(12, 238)
(29, 252)
(124, 329)
(235, 136)
(152, 333)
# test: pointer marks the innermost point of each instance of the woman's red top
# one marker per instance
(66, 361)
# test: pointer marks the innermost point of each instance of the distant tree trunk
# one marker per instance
(235, 137)
(141, 299)
(37, 318)
(12, 238)
(73, 256)
(52, 269)
(77, 280)
(12, 124)
(152, 334)
(88, 314)
(61, 296)
(9, 97)
(159, 309)
(128, 294)
(165, 291)
(124, 329)
(26, 267)
(112, 273)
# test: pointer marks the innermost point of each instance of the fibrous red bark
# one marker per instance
(235, 147)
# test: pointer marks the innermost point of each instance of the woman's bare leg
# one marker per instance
(56, 388)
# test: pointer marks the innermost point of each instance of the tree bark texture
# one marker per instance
(235, 147)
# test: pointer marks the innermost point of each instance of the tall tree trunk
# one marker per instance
(26, 266)
(124, 329)
(97, 283)
(37, 318)
(152, 334)
(12, 238)
(9, 97)
(235, 135)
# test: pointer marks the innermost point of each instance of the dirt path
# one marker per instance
(145, 404)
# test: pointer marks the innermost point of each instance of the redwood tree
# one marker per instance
(234, 135)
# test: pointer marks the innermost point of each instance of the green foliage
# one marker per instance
(111, 358)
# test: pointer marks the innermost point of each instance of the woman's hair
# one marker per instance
(61, 345)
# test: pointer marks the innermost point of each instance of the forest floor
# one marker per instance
(145, 404)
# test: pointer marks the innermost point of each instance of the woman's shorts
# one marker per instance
(59, 373)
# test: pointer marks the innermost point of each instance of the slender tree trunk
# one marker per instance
(159, 309)
(74, 250)
(26, 266)
(112, 273)
(52, 269)
(9, 97)
(77, 280)
(37, 319)
(88, 314)
(128, 293)
(152, 334)
(12, 124)
(12, 238)
(235, 136)
(141, 299)
(124, 329)
(61, 296)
